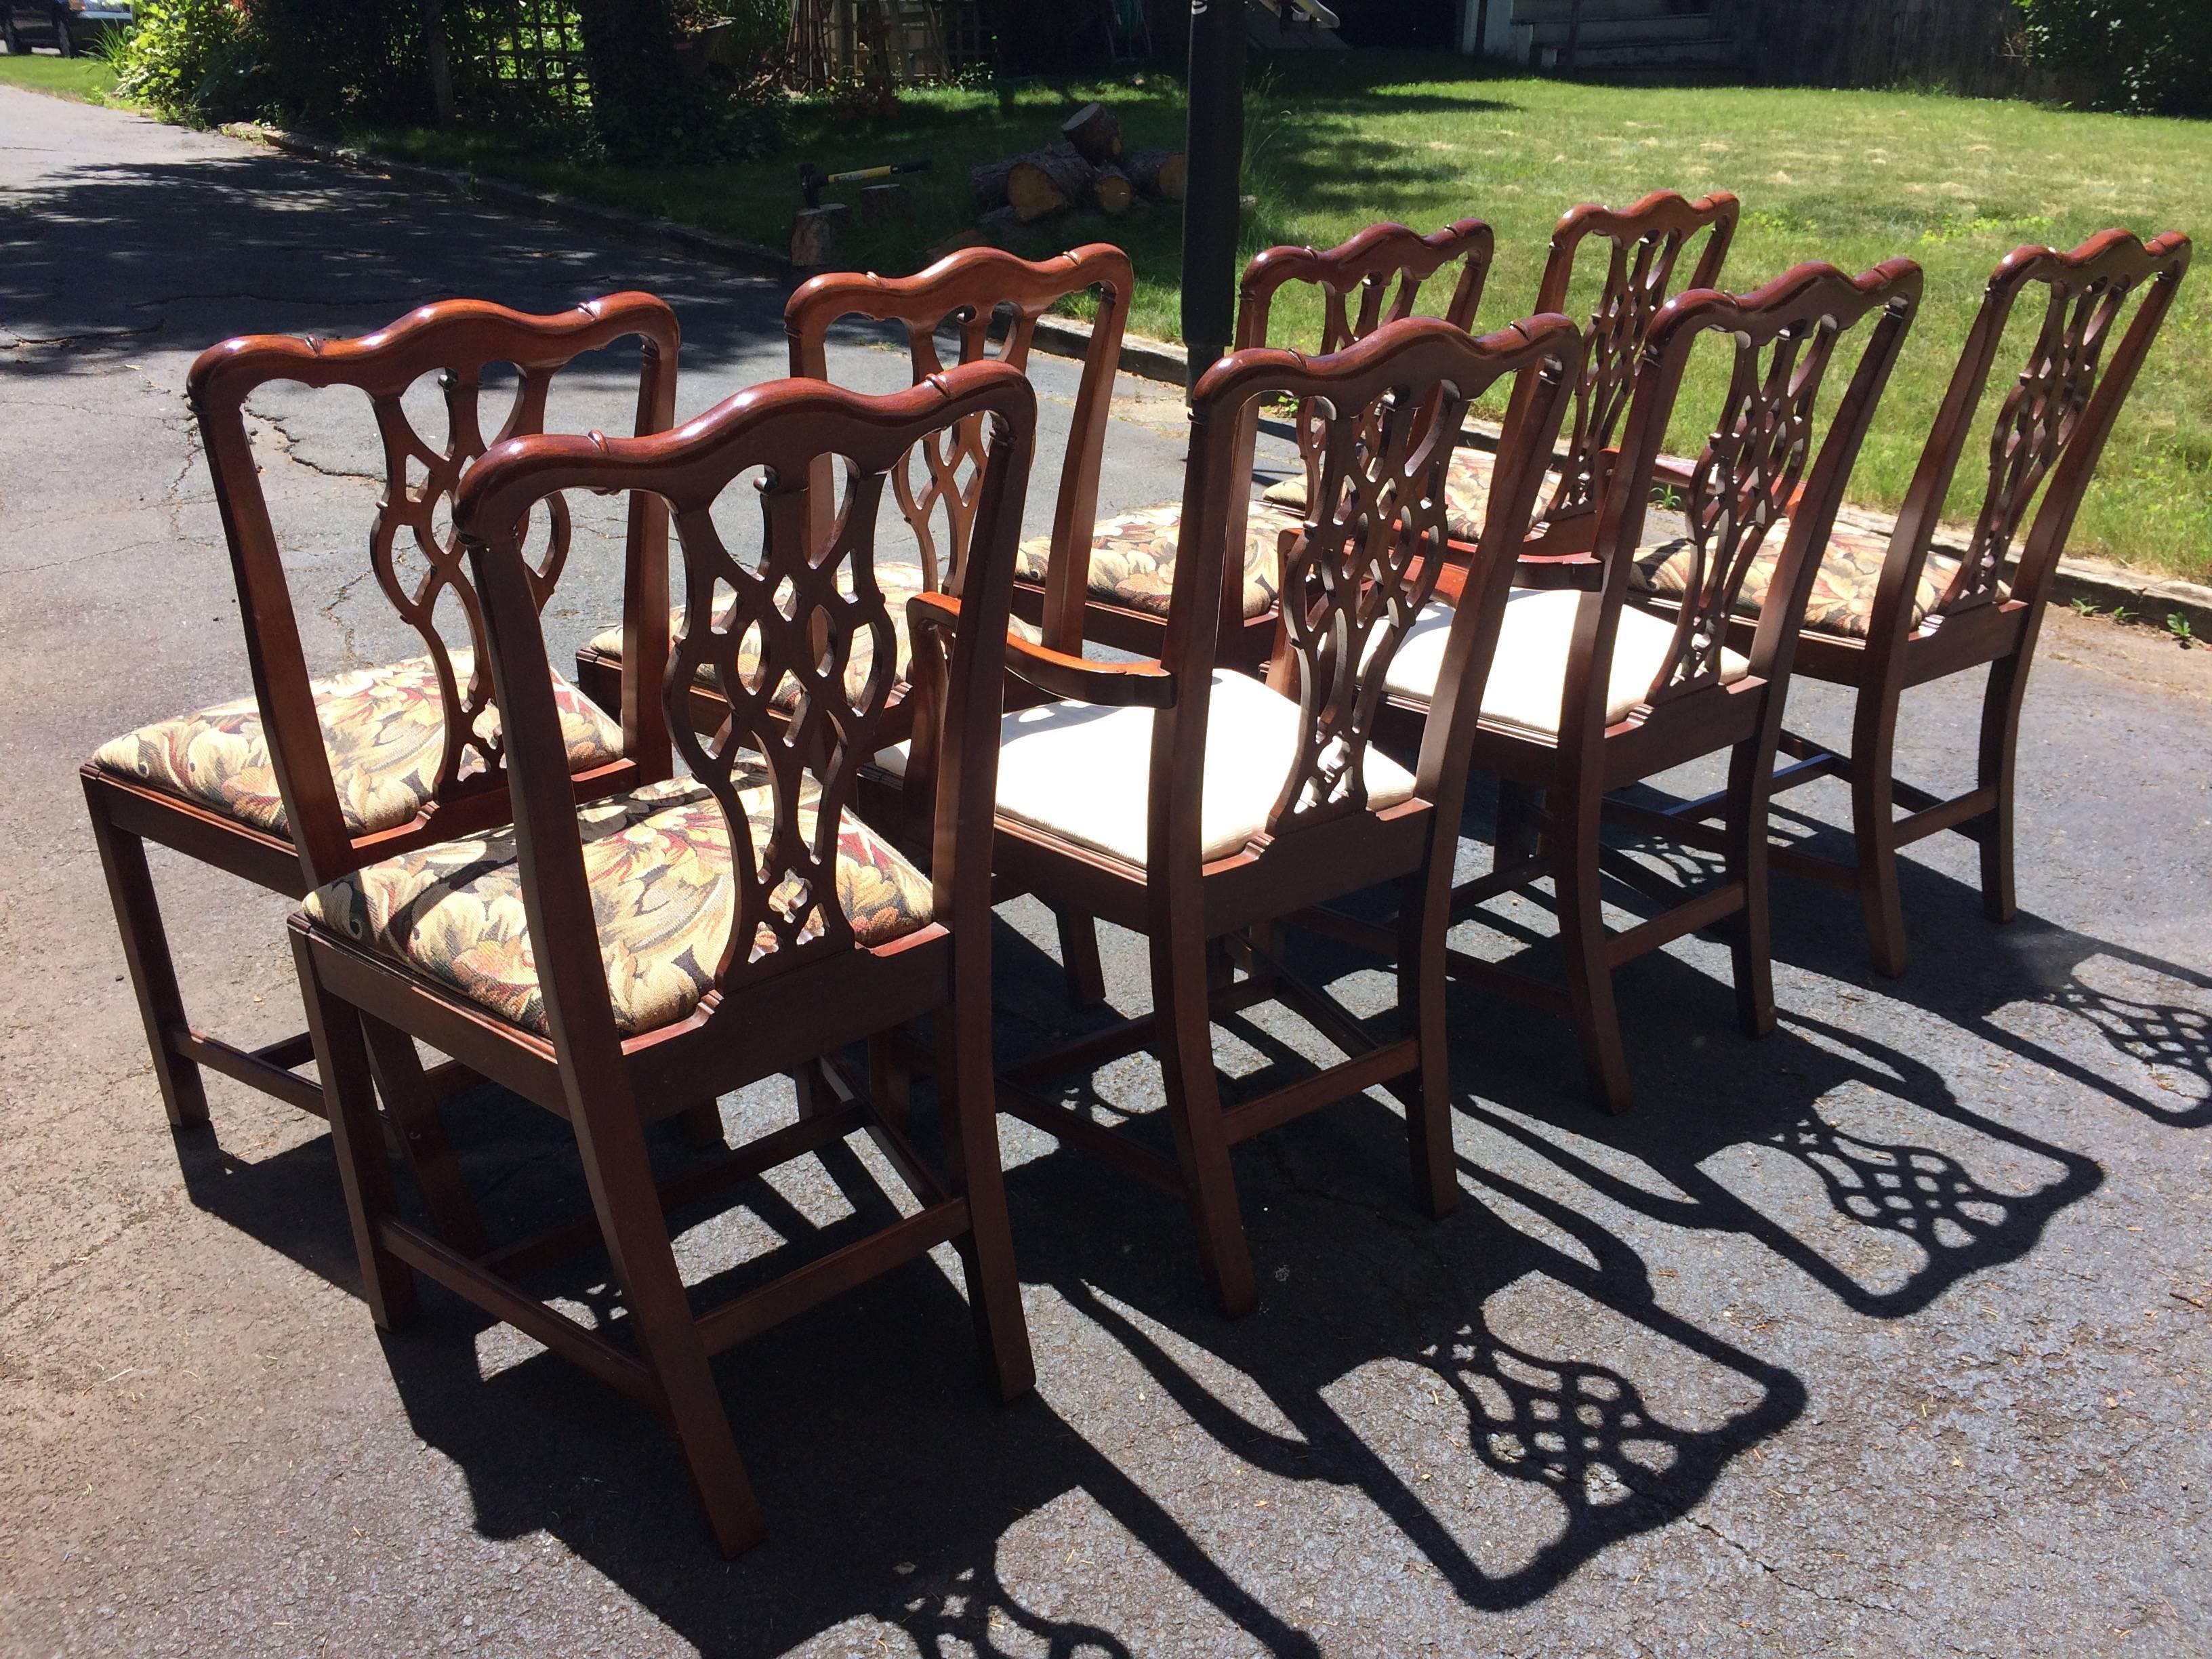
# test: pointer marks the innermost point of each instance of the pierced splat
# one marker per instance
(1646, 243)
(1375, 277)
(422, 513)
(786, 620)
(1368, 563)
(2035, 423)
(1742, 485)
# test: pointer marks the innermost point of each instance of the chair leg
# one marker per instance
(2000, 704)
(1194, 1094)
(146, 955)
(968, 1112)
(357, 1138)
(421, 1136)
(1574, 842)
(1078, 957)
(1424, 917)
(1751, 775)
(612, 1145)
(1874, 828)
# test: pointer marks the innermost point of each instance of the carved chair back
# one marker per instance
(1373, 279)
(1643, 247)
(457, 340)
(1762, 466)
(1387, 411)
(2053, 422)
(799, 611)
(966, 291)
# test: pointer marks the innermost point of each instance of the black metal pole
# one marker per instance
(1213, 157)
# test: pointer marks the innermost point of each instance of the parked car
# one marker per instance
(68, 26)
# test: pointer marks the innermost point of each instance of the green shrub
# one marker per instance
(2151, 57)
(179, 51)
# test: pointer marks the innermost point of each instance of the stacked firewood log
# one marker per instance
(1086, 168)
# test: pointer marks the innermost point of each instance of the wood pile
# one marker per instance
(1086, 168)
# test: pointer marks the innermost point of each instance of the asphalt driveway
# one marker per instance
(1887, 1334)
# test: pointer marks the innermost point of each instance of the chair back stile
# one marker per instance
(1785, 338)
(458, 340)
(1388, 410)
(1646, 243)
(784, 912)
(966, 290)
(2053, 422)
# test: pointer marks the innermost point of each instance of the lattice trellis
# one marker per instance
(523, 57)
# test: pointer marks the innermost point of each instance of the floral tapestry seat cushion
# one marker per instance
(1467, 492)
(897, 582)
(1842, 602)
(1132, 557)
(659, 863)
(385, 730)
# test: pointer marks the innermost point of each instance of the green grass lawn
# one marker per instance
(1337, 141)
(87, 80)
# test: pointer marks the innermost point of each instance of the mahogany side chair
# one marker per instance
(307, 779)
(936, 489)
(1886, 616)
(1201, 806)
(1589, 693)
(1644, 247)
(687, 937)
(1374, 278)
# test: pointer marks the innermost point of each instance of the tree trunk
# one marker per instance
(1095, 133)
(1157, 173)
(1046, 180)
(989, 184)
(1112, 190)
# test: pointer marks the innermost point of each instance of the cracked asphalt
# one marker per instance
(1887, 1334)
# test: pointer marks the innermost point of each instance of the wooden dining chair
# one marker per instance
(309, 778)
(683, 938)
(1924, 604)
(1375, 278)
(1589, 694)
(1643, 245)
(1198, 805)
(971, 294)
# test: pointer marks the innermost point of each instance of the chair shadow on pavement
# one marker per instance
(1552, 1367)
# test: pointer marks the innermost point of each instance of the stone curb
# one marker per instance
(2109, 587)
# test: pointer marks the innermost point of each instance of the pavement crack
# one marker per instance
(1780, 1577)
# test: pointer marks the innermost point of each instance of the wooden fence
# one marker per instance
(1971, 46)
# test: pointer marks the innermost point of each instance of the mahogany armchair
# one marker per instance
(1643, 247)
(1373, 279)
(307, 779)
(1888, 615)
(686, 936)
(1200, 807)
(1590, 693)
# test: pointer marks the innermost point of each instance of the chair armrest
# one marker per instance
(1113, 684)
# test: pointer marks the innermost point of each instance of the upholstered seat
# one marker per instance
(1842, 594)
(1082, 773)
(898, 582)
(1132, 557)
(1529, 676)
(659, 863)
(384, 729)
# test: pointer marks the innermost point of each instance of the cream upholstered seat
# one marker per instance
(1529, 676)
(384, 729)
(1083, 772)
